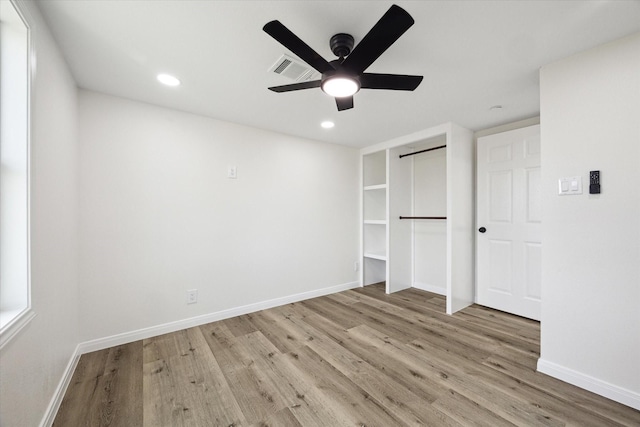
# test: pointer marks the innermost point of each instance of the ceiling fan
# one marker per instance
(343, 77)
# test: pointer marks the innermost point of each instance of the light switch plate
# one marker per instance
(569, 186)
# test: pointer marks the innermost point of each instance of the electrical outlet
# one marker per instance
(355, 266)
(192, 296)
(232, 172)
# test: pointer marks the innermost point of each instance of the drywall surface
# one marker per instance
(430, 236)
(34, 361)
(160, 216)
(590, 110)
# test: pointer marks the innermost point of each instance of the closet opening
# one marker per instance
(417, 210)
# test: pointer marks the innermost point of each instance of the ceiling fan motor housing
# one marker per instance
(341, 44)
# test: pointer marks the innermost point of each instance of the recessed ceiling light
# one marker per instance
(327, 124)
(168, 80)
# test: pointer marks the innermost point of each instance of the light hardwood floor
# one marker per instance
(357, 358)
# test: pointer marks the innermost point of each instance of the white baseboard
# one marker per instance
(58, 395)
(430, 288)
(595, 385)
(127, 337)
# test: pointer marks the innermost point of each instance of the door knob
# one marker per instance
(482, 229)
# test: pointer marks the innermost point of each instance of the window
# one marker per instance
(15, 305)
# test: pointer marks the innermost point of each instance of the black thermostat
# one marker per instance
(594, 182)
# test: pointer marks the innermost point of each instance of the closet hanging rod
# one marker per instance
(423, 217)
(423, 151)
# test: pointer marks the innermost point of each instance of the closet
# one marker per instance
(418, 213)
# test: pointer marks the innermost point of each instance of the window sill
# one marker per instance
(13, 321)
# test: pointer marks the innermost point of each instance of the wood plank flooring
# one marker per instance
(356, 358)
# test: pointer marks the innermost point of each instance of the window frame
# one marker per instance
(17, 319)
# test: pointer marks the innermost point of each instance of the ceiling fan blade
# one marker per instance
(344, 103)
(292, 42)
(296, 86)
(389, 81)
(387, 30)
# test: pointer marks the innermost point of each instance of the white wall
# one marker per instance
(430, 236)
(34, 361)
(590, 117)
(159, 215)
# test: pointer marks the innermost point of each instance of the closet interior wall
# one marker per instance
(430, 235)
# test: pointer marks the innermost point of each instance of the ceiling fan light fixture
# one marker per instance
(343, 77)
(340, 86)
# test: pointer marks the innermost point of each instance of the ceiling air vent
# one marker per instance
(294, 69)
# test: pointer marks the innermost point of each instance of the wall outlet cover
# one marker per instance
(192, 296)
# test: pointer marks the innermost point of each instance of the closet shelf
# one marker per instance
(380, 257)
(375, 187)
(375, 221)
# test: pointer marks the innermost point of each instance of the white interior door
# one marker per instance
(508, 243)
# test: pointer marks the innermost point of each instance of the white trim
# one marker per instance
(15, 325)
(127, 337)
(58, 395)
(430, 288)
(361, 221)
(440, 130)
(24, 314)
(595, 385)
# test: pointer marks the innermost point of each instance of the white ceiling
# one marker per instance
(473, 55)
